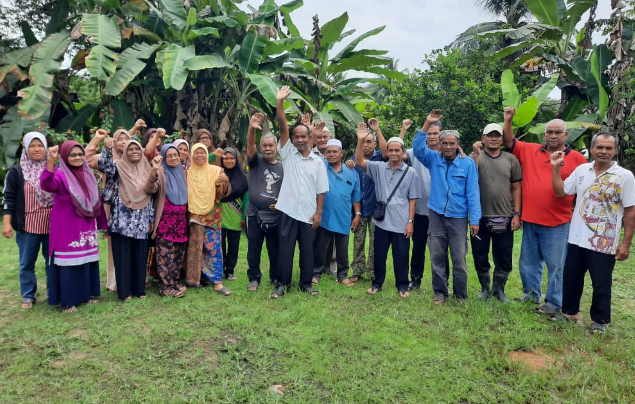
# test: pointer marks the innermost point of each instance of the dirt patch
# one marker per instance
(535, 361)
(78, 334)
(278, 389)
(60, 363)
(204, 350)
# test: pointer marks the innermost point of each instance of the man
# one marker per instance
(398, 188)
(300, 201)
(545, 217)
(605, 194)
(344, 193)
(265, 179)
(320, 136)
(455, 195)
(497, 172)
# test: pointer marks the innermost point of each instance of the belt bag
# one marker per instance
(379, 211)
(497, 225)
(268, 219)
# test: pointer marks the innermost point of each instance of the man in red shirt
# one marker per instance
(545, 217)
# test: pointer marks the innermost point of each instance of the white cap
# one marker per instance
(334, 142)
(493, 127)
(326, 129)
(395, 139)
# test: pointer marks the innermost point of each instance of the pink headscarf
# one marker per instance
(32, 169)
(81, 184)
(185, 163)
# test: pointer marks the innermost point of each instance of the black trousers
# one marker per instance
(502, 250)
(323, 253)
(419, 242)
(400, 254)
(130, 256)
(255, 239)
(290, 231)
(600, 267)
(230, 244)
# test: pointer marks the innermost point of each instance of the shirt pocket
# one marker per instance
(457, 183)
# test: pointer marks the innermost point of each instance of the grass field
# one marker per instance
(340, 346)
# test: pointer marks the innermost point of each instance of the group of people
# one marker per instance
(181, 209)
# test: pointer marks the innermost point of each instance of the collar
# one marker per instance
(610, 169)
(490, 156)
(310, 156)
(567, 148)
(400, 168)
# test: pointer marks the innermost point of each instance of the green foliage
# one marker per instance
(10, 138)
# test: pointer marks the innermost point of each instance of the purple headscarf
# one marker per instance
(81, 184)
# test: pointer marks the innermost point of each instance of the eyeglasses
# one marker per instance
(204, 138)
(75, 155)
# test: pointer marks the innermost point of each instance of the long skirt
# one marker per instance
(212, 256)
(169, 258)
(130, 256)
(73, 285)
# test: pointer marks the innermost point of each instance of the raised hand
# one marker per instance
(434, 116)
(406, 124)
(373, 123)
(283, 93)
(140, 123)
(362, 131)
(306, 121)
(476, 147)
(320, 126)
(54, 153)
(108, 143)
(161, 133)
(156, 163)
(101, 135)
(508, 113)
(557, 158)
(257, 120)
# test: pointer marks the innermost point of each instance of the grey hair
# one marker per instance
(603, 134)
(438, 124)
(447, 133)
(558, 121)
(268, 136)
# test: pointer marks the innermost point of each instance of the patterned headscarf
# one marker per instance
(31, 169)
(188, 161)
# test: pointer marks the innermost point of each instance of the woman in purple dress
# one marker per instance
(76, 215)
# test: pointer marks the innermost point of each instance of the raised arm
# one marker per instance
(508, 132)
(152, 184)
(362, 132)
(405, 125)
(557, 159)
(255, 123)
(137, 127)
(373, 124)
(419, 144)
(154, 142)
(92, 148)
(283, 93)
(433, 116)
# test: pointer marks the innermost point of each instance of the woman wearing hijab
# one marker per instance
(76, 215)
(205, 137)
(170, 232)
(233, 211)
(184, 152)
(131, 215)
(27, 209)
(206, 184)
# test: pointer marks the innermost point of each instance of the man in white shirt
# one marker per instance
(605, 195)
(300, 201)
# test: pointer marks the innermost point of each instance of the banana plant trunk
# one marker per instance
(619, 113)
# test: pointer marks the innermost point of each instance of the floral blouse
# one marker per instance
(213, 219)
(173, 224)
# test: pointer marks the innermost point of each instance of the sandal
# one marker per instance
(223, 290)
(93, 301)
(569, 318)
(315, 281)
(438, 299)
(546, 309)
(354, 278)
(404, 294)
(142, 297)
(181, 288)
(127, 299)
(373, 290)
(71, 309)
(311, 291)
(231, 277)
(597, 328)
(278, 292)
(172, 293)
(252, 286)
(346, 282)
(27, 303)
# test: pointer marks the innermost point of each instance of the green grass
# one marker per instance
(340, 346)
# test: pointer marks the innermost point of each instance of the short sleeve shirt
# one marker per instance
(304, 179)
(495, 176)
(540, 204)
(344, 190)
(599, 208)
(368, 185)
(265, 180)
(386, 179)
(424, 177)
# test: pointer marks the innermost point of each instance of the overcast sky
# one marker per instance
(413, 27)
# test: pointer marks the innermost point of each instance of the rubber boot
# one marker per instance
(484, 280)
(498, 287)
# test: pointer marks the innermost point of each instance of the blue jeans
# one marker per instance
(29, 247)
(543, 245)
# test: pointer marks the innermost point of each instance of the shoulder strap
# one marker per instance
(398, 183)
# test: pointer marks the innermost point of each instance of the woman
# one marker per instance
(233, 211)
(205, 137)
(131, 215)
(27, 209)
(170, 233)
(76, 215)
(206, 184)
(184, 152)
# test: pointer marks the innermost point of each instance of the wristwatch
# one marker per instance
(410, 221)
(516, 213)
(358, 213)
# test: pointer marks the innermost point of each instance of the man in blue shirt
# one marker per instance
(454, 195)
(344, 193)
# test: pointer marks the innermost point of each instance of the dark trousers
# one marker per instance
(255, 239)
(323, 253)
(230, 244)
(130, 256)
(400, 251)
(502, 249)
(600, 267)
(418, 258)
(446, 232)
(290, 231)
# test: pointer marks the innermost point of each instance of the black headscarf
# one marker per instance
(237, 177)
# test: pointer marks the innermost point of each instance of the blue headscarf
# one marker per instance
(176, 189)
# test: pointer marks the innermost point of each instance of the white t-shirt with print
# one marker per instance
(599, 208)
